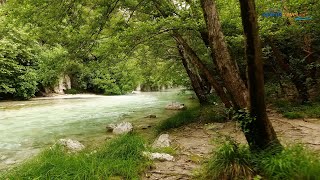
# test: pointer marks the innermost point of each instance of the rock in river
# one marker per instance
(175, 106)
(123, 128)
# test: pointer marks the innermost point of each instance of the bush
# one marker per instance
(121, 157)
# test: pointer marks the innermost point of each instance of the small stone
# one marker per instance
(162, 141)
(123, 128)
(10, 162)
(3, 157)
(158, 156)
(110, 127)
(175, 106)
(71, 145)
(151, 116)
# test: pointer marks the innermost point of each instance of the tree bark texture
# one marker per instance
(194, 78)
(260, 133)
(230, 75)
(193, 57)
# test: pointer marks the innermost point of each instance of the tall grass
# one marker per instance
(121, 157)
(232, 161)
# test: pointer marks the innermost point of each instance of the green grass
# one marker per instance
(293, 115)
(204, 114)
(293, 110)
(233, 161)
(120, 158)
(180, 119)
(230, 161)
(294, 162)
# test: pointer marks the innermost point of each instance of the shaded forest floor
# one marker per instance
(194, 143)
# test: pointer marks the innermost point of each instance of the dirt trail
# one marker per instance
(194, 143)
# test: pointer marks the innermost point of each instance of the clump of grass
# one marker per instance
(295, 162)
(293, 115)
(121, 157)
(230, 161)
(180, 119)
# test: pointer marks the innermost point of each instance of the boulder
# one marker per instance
(123, 128)
(162, 141)
(175, 106)
(110, 127)
(158, 156)
(71, 145)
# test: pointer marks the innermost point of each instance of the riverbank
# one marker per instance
(195, 137)
(28, 126)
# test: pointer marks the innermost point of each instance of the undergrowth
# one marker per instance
(180, 119)
(234, 161)
(120, 158)
(294, 110)
(204, 114)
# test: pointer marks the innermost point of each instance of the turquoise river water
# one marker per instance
(28, 126)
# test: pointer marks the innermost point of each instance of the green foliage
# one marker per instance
(121, 157)
(213, 113)
(244, 119)
(18, 61)
(293, 115)
(230, 161)
(294, 162)
(233, 161)
(180, 119)
(294, 110)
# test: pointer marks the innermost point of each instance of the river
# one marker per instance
(26, 127)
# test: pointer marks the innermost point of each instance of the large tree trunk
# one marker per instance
(259, 133)
(193, 57)
(231, 77)
(194, 78)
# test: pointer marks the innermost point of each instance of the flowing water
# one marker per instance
(28, 126)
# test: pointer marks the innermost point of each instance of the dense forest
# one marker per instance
(247, 55)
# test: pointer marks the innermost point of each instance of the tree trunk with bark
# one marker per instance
(231, 77)
(259, 133)
(194, 59)
(194, 78)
